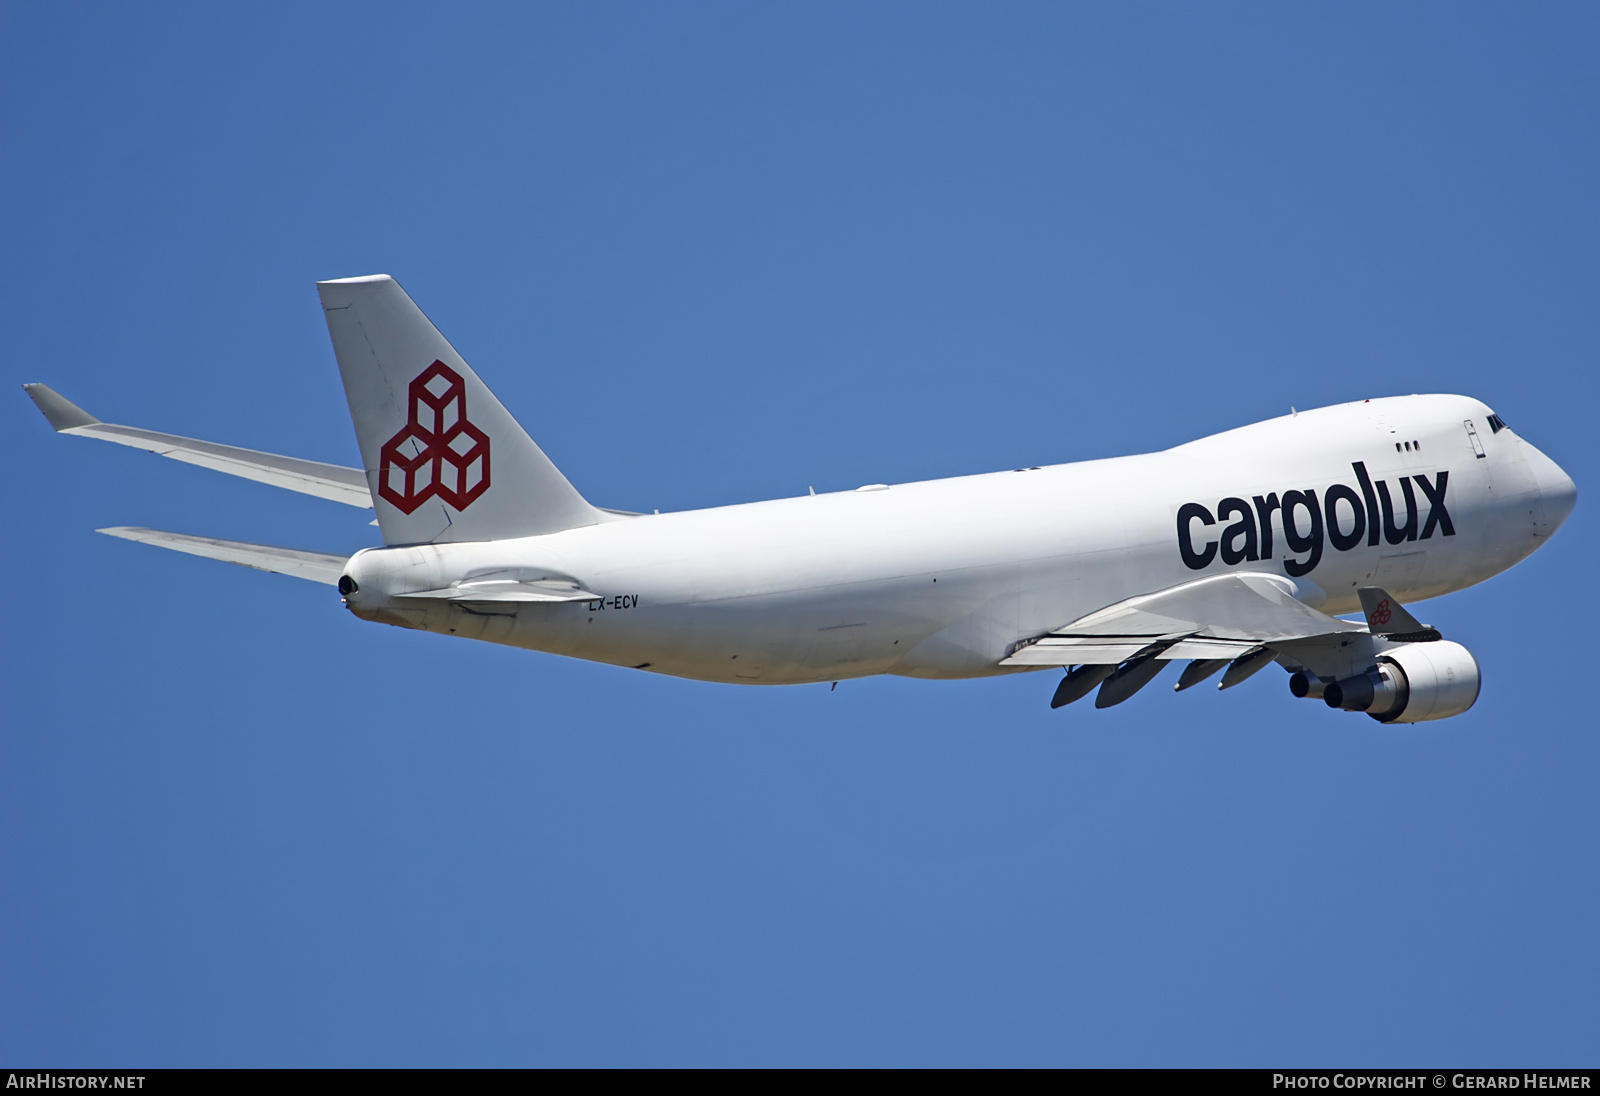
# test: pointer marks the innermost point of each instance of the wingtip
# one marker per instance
(61, 412)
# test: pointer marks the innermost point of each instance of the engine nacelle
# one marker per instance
(1412, 683)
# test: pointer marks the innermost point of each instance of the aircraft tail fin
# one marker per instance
(1388, 618)
(446, 461)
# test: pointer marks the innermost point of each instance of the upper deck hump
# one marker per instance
(1402, 415)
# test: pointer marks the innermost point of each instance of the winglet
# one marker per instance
(1388, 618)
(62, 412)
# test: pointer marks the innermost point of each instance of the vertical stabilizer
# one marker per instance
(445, 460)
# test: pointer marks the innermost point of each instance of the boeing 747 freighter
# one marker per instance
(1229, 553)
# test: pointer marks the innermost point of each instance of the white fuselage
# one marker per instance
(942, 579)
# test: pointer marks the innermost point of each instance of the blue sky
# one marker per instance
(711, 253)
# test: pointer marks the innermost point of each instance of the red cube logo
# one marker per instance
(438, 451)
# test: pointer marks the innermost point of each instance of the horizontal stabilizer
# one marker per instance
(315, 566)
(309, 477)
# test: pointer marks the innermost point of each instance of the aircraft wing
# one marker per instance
(315, 566)
(1222, 617)
(328, 481)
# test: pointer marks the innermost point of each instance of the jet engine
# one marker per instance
(1412, 683)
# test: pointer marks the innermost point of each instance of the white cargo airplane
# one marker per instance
(1233, 551)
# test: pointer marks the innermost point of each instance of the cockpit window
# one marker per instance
(1495, 424)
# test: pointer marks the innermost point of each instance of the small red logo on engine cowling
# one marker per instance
(1380, 615)
(437, 452)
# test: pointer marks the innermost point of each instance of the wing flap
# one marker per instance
(1080, 651)
(313, 566)
(1221, 617)
(1057, 651)
(1206, 649)
(1253, 606)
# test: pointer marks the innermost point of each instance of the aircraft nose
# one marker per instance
(1556, 489)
